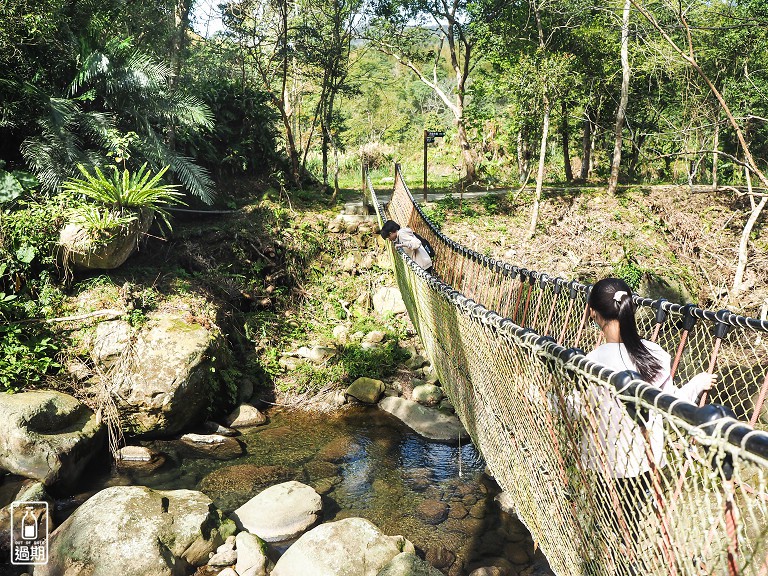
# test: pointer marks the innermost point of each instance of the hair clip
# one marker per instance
(618, 295)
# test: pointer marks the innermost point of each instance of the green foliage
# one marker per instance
(437, 214)
(13, 184)
(101, 223)
(29, 231)
(25, 358)
(27, 351)
(122, 194)
(351, 362)
(631, 273)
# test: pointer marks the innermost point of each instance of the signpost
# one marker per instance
(429, 138)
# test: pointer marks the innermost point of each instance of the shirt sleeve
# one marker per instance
(407, 238)
(692, 389)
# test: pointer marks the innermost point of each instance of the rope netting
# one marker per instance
(610, 475)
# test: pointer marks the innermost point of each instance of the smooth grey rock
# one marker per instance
(349, 547)
(134, 454)
(135, 531)
(162, 375)
(210, 427)
(388, 299)
(139, 460)
(47, 435)
(341, 333)
(427, 394)
(428, 422)
(280, 512)
(212, 446)
(367, 390)
(244, 416)
(316, 354)
(375, 336)
(251, 555)
(416, 362)
(407, 564)
(223, 558)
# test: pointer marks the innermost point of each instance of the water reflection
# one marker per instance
(365, 463)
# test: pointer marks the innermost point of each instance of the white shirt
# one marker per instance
(617, 447)
(411, 245)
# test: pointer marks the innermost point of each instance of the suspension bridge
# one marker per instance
(508, 345)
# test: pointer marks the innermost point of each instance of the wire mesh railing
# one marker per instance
(610, 475)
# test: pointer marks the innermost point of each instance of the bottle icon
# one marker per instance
(29, 525)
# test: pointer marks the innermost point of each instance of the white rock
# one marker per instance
(251, 555)
(353, 546)
(280, 512)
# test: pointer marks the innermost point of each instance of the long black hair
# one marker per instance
(612, 299)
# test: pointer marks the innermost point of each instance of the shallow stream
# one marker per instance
(365, 463)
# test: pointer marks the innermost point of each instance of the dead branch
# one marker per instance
(110, 312)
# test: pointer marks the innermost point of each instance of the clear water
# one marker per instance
(365, 463)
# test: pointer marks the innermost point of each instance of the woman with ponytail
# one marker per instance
(613, 310)
(628, 445)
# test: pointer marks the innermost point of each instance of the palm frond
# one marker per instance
(189, 111)
(94, 65)
(196, 179)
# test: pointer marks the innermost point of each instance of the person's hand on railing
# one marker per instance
(702, 382)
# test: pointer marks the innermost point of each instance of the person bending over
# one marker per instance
(406, 239)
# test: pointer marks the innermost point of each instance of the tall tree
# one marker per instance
(419, 34)
(621, 112)
(679, 36)
(265, 31)
(329, 28)
(527, 36)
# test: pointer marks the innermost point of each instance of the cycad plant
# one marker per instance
(119, 90)
(124, 194)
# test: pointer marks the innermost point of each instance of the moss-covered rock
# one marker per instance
(134, 531)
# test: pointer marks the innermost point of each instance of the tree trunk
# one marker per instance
(741, 266)
(540, 173)
(324, 149)
(523, 158)
(467, 157)
(621, 113)
(634, 159)
(586, 147)
(715, 147)
(178, 37)
(565, 134)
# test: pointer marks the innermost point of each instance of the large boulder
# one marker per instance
(406, 564)
(428, 422)
(388, 299)
(135, 531)
(349, 547)
(82, 251)
(280, 512)
(162, 374)
(47, 435)
(366, 390)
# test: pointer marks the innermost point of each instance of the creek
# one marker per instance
(365, 463)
